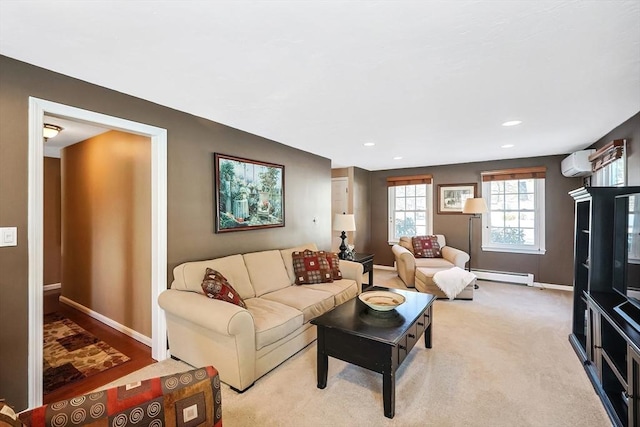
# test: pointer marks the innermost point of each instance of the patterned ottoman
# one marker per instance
(191, 398)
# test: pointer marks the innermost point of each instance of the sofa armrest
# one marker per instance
(218, 316)
(352, 270)
(455, 256)
(405, 264)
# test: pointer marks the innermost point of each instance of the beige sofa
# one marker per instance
(244, 344)
(418, 272)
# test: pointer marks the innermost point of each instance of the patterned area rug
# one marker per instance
(70, 353)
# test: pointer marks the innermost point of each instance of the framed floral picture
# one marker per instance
(451, 197)
(249, 194)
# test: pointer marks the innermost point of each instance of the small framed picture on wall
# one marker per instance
(451, 197)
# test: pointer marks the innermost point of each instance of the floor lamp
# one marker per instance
(344, 222)
(475, 207)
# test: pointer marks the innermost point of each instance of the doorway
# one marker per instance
(37, 110)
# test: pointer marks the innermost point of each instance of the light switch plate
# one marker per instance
(8, 236)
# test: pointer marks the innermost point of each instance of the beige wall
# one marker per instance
(553, 267)
(358, 204)
(52, 239)
(106, 206)
(190, 233)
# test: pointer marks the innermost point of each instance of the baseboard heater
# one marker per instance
(504, 276)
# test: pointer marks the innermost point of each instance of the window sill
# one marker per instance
(532, 251)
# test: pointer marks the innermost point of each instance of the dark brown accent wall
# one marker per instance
(52, 239)
(106, 206)
(191, 144)
(629, 130)
(553, 267)
(361, 210)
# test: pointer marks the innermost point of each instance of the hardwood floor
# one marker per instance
(139, 353)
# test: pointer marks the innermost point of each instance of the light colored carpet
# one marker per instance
(502, 359)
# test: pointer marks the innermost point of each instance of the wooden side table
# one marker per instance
(367, 263)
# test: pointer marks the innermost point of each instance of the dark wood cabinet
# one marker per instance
(606, 344)
(367, 264)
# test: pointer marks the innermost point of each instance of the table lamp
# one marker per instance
(344, 223)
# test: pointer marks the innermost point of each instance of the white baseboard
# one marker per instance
(553, 286)
(109, 322)
(504, 276)
(52, 287)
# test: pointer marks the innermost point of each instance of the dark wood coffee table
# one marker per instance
(378, 341)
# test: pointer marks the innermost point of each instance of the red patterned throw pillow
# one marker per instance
(426, 247)
(334, 265)
(216, 286)
(311, 267)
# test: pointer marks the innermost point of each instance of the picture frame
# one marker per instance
(249, 194)
(451, 197)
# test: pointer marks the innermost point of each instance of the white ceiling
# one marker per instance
(72, 131)
(430, 81)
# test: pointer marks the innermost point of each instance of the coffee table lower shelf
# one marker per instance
(372, 350)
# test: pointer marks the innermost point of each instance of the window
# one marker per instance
(609, 165)
(515, 218)
(410, 212)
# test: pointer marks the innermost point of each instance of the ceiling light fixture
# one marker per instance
(369, 144)
(512, 123)
(507, 146)
(50, 130)
(397, 158)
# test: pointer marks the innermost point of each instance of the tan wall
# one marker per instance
(553, 267)
(52, 239)
(106, 206)
(358, 204)
(190, 233)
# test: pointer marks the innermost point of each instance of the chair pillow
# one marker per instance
(311, 267)
(216, 286)
(426, 247)
(334, 264)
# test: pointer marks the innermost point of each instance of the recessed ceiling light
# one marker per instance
(507, 146)
(512, 123)
(397, 158)
(369, 144)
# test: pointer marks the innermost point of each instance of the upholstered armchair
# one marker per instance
(406, 262)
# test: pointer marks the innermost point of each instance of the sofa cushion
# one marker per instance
(272, 320)
(433, 263)
(426, 247)
(334, 265)
(311, 302)
(342, 290)
(216, 286)
(287, 258)
(311, 267)
(188, 276)
(267, 272)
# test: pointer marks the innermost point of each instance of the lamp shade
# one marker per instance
(475, 206)
(344, 222)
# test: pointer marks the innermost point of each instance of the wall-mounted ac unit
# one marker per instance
(577, 164)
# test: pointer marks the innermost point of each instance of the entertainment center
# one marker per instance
(606, 315)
